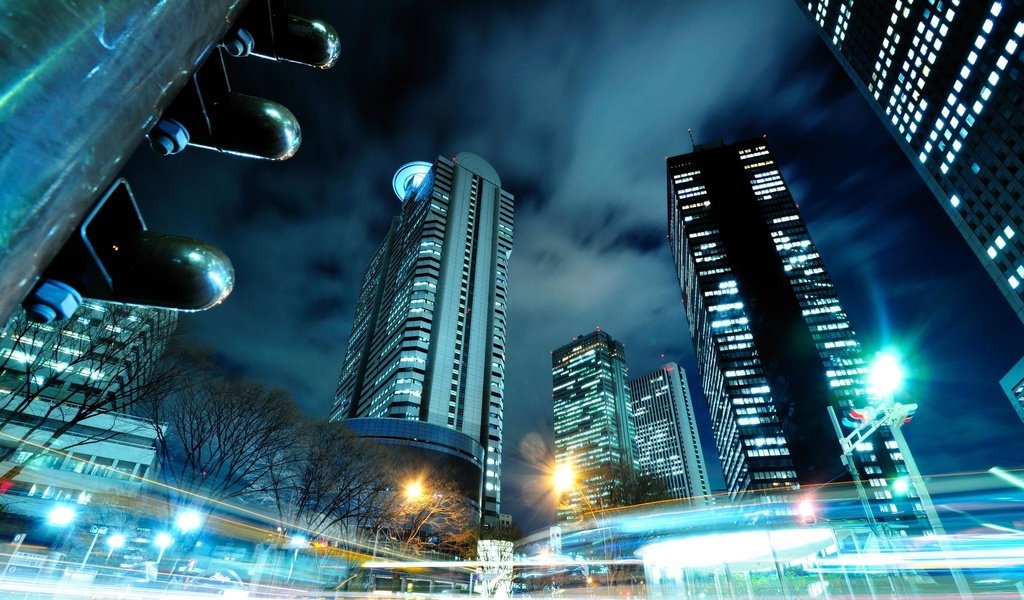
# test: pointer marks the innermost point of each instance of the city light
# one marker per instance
(116, 541)
(61, 516)
(901, 485)
(298, 541)
(805, 510)
(887, 375)
(413, 491)
(162, 541)
(563, 478)
(187, 521)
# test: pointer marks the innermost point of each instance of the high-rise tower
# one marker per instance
(946, 79)
(667, 442)
(774, 347)
(593, 415)
(425, 365)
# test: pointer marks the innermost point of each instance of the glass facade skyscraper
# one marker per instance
(946, 79)
(593, 415)
(667, 442)
(428, 337)
(774, 347)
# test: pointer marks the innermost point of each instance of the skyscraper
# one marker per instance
(945, 78)
(593, 415)
(668, 445)
(774, 347)
(425, 364)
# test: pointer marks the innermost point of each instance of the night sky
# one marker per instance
(577, 104)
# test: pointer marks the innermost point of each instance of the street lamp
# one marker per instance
(61, 516)
(413, 491)
(115, 542)
(297, 542)
(885, 378)
(162, 541)
(887, 375)
(564, 478)
(805, 510)
(188, 520)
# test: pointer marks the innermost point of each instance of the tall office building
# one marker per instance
(774, 347)
(946, 80)
(425, 365)
(667, 442)
(67, 393)
(593, 416)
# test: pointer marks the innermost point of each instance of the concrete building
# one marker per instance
(67, 390)
(667, 441)
(946, 80)
(593, 416)
(775, 349)
(425, 365)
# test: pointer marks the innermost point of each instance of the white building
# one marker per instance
(668, 445)
(425, 365)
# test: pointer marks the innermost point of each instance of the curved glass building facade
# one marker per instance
(448, 452)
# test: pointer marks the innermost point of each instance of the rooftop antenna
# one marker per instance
(690, 132)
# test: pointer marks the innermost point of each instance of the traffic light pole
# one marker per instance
(892, 414)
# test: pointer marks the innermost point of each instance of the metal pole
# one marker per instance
(929, 510)
(91, 546)
(778, 567)
(867, 577)
(291, 568)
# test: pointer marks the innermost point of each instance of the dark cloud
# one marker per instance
(576, 104)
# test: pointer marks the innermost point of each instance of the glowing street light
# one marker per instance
(805, 510)
(887, 375)
(901, 485)
(188, 520)
(564, 479)
(413, 491)
(162, 541)
(116, 542)
(61, 516)
(298, 541)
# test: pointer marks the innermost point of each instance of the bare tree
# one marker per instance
(55, 377)
(330, 480)
(430, 515)
(223, 438)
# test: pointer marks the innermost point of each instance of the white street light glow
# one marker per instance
(887, 375)
(187, 521)
(162, 540)
(61, 516)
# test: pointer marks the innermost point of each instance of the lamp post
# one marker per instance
(186, 522)
(162, 541)
(62, 516)
(96, 533)
(564, 480)
(114, 542)
(885, 379)
(297, 542)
